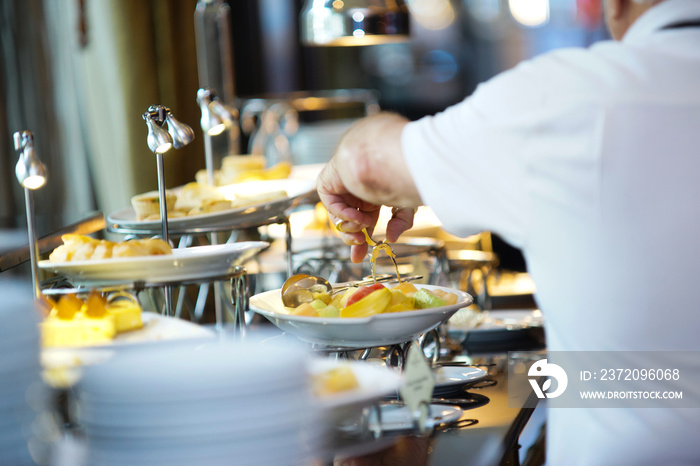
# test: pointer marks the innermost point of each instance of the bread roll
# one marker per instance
(148, 204)
(83, 248)
(131, 248)
(193, 195)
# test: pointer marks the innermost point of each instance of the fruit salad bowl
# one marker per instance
(357, 332)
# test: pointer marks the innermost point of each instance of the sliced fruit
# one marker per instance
(323, 296)
(67, 306)
(398, 297)
(362, 292)
(305, 309)
(450, 298)
(95, 305)
(318, 304)
(402, 307)
(375, 302)
(329, 311)
(343, 300)
(426, 299)
(406, 288)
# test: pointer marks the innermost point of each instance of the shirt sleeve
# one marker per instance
(469, 162)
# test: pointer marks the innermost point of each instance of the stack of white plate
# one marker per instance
(199, 403)
(22, 393)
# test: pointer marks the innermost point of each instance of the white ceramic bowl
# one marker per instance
(365, 332)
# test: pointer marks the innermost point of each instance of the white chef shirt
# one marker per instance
(589, 161)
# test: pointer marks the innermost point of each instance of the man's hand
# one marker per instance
(366, 172)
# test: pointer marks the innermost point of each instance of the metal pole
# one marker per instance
(33, 243)
(164, 225)
(162, 196)
(209, 159)
(217, 293)
(209, 162)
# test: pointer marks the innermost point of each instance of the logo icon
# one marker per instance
(552, 371)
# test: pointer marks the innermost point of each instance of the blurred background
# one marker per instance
(80, 73)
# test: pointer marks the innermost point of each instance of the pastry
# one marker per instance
(148, 204)
(194, 194)
(74, 322)
(85, 248)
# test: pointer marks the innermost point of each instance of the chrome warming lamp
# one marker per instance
(159, 142)
(354, 22)
(217, 117)
(31, 174)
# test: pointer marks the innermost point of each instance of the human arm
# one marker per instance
(367, 171)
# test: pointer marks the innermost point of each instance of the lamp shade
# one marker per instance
(216, 117)
(30, 172)
(181, 133)
(210, 121)
(228, 115)
(354, 22)
(159, 140)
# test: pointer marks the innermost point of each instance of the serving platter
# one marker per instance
(125, 220)
(377, 330)
(194, 263)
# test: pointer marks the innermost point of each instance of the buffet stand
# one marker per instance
(198, 233)
(472, 420)
(209, 228)
(236, 278)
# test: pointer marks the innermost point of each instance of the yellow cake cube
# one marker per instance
(78, 331)
(127, 315)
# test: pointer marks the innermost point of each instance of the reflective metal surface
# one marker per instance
(354, 22)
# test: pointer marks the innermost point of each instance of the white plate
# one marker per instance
(195, 263)
(452, 376)
(125, 219)
(365, 332)
(396, 417)
(374, 382)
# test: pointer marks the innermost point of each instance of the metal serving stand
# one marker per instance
(191, 235)
(331, 260)
(236, 277)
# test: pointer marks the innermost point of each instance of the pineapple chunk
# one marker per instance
(450, 298)
(406, 288)
(305, 309)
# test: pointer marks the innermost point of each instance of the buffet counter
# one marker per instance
(97, 363)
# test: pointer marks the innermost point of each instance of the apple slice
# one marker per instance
(362, 292)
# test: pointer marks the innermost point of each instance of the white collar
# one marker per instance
(663, 14)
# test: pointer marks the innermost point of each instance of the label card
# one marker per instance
(418, 386)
